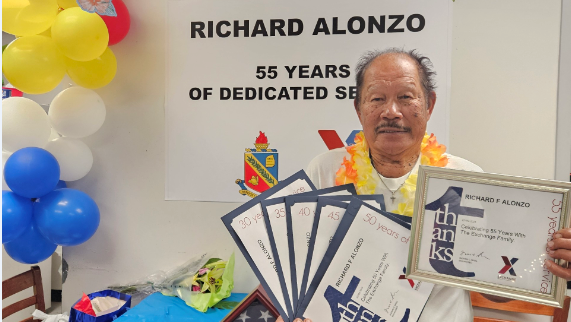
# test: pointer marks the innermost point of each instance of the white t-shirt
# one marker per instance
(445, 304)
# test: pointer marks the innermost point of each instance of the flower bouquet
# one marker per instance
(201, 282)
(206, 287)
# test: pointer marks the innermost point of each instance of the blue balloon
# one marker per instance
(61, 184)
(31, 172)
(31, 247)
(16, 215)
(66, 217)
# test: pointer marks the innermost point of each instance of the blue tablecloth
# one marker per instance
(157, 308)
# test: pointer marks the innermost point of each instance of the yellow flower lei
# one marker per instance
(359, 169)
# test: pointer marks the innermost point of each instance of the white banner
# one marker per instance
(284, 68)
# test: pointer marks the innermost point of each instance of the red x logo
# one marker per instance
(508, 265)
(333, 141)
(402, 277)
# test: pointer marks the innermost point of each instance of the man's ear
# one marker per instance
(431, 102)
(356, 105)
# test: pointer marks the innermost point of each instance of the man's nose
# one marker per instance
(392, 111)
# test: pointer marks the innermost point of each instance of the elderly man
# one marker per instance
(395, 99)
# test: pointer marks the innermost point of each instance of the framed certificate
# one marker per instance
(488, 233)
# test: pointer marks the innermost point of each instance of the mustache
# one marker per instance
(392, 125)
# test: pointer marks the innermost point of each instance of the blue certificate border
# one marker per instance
(352, 210)
(228, 218)
(402, 218)
(347, 187)
(266, 203)
(321, 202)
(290, 201)
(379, 198)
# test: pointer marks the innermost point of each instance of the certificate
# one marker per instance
(300, 212)
(275, 217)
(248, 229)
(488, 233)
(361, 276)
(328, 215)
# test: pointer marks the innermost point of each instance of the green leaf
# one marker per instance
(212, 260)
(225, 305)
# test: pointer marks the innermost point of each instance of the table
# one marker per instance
(158, 308)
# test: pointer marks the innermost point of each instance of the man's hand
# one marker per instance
(560, 248)
(296, 320)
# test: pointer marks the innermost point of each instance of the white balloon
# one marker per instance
(54, 134)
(46, 98)
(5, 156)
(24, 124)
(77, 112)
(74, 157)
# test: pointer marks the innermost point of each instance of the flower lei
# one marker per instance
(359, 169)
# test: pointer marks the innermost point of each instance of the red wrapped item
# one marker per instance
(84, 305)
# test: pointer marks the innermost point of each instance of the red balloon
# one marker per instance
(118, 26)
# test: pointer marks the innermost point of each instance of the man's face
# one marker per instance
(393, 109)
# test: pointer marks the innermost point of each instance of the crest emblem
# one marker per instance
(11, 92)
(260, 168)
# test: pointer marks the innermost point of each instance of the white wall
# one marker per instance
(563, 152)
(504, 85)
(504, 64)
(140, 232)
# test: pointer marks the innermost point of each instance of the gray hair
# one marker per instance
(423, 63)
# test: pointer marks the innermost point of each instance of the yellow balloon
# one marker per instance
(94, 73)
(67, 3)
(80, 35)
(33, 64)
(28, 17)
(47, 33)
